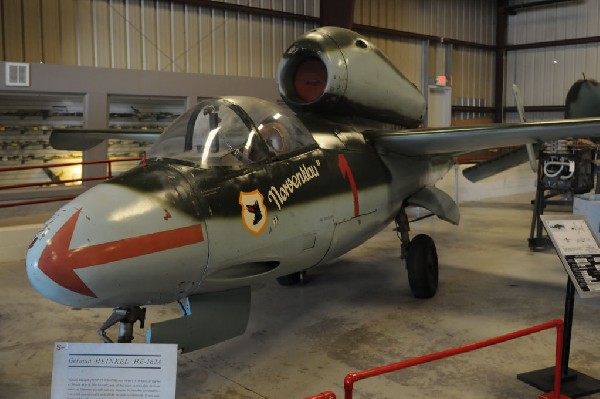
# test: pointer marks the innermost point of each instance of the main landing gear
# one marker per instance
(127, 318)
(421, 259)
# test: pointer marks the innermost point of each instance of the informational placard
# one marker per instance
(578, 250)
(123, 371)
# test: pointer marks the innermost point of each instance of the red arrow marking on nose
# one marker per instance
(59, 262)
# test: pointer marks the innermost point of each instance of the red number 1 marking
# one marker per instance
(347, 173)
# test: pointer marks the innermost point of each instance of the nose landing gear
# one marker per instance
(127, 318)
(421, 259)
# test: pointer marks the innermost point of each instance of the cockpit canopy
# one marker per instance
(232, 131)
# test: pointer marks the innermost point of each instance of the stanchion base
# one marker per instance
(552, 395)
(573, 385)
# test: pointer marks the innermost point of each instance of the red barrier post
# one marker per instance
(560, 331)
(558, 324)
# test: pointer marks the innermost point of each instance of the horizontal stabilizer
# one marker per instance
(211, 318)
(497, 165)
(84, 139)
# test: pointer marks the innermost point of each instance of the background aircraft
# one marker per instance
(239, 190)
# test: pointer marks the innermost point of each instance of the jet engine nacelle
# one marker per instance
(335, 70)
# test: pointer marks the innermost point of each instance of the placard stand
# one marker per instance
(580, 255)
(574, 384)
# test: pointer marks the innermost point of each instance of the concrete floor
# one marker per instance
(354, 314)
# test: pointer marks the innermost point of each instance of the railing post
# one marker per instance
(349, 385)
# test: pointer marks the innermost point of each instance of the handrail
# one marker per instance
(558, 324)
(57, 165)
(323, 395)
(109, 162)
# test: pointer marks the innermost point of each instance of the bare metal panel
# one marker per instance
(2, 36)
(163, 33)
(32, 30)
(68, 32)
(13, 30)
(50, 38)
(545, 75)
(470, 20)
(472, 77)
(179, 44)
(151, 35)
(562, 21)
(118, 34)
(86, 42)
(133, 36)
(192, 39)
(206, 41)
(101, 20)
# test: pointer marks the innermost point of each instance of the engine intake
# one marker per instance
(335, 70)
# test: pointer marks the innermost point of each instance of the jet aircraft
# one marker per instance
(238, 190)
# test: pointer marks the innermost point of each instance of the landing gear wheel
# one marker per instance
(422, 265)
(292, 279)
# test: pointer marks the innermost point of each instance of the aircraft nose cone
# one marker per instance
(113, 246)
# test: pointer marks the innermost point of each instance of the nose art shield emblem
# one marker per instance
(254, 211)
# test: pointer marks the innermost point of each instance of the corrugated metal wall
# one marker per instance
(150, 34)
(164, 36)
(546, 74)
(468, 20)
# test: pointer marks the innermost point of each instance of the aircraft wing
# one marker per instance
(458, 140)
(84, 139)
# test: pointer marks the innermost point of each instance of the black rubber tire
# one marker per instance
(422, 266)
(292, 279)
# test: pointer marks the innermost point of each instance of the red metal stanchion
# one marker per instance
(558, 324)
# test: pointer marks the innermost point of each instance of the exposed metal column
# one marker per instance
(501, 39)
(337, 13)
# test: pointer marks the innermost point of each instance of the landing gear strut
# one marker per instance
(421, 259)
(127, 318)
(293, 279)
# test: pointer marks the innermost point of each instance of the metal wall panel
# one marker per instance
(472, 77)
(50, 34)
(2, 30)
(86, 43)
(470, 20)
(68, 43)
(546, 74)
(151, 34)
(32, 31)
(557, 22)
(101, 22)
(13, 30)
